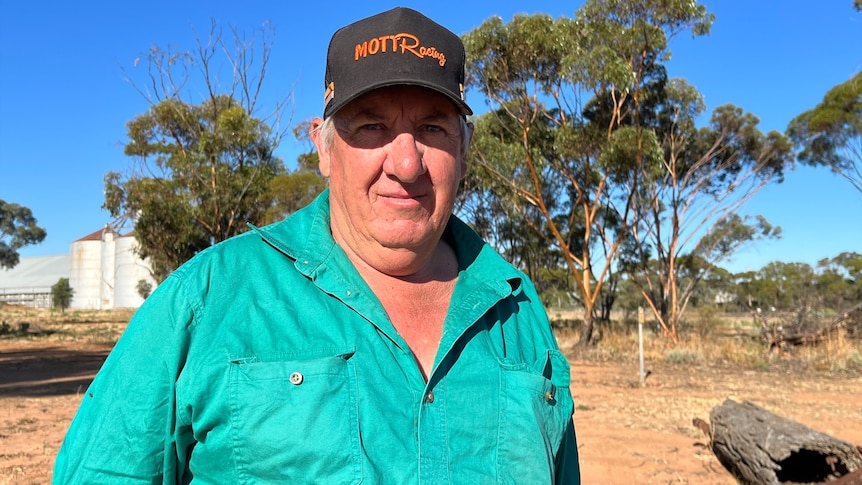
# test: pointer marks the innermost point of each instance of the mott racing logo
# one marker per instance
(398, 43)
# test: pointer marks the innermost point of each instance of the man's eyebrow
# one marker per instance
(435, 116)
(370, 114)
(365, 114)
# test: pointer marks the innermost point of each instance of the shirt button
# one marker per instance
(429, 398)
(296, 378)
(549, 396)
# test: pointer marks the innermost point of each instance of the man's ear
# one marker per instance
(322, 149)
(470, 128)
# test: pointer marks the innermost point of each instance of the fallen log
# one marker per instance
(778, 337)
(761, 448)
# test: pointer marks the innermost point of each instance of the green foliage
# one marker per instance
(17, 229)
(19, 330)
(62, 293)
(729, 234)
(832, 286)
(839, 281)
(293, 190)
(830, 134)
(566, 173)
(591, 146)
(144, 288)
(204, 170)
(628, 144)
(625, 39)
(787, 284)
(505, 58)
(687, 218)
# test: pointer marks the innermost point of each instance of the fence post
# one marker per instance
(641, 343)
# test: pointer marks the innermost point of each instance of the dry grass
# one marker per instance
(102, 327)
(18, 313)
(717, 340)
(708, 339)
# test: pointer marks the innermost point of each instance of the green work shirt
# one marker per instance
(267, 359)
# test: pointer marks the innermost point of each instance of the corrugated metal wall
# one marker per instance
(29, 282)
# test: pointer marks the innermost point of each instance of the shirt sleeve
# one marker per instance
(126, 430)
(568, 470)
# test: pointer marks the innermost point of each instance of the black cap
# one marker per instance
(399, 46)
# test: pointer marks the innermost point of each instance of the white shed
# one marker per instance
(29, 282)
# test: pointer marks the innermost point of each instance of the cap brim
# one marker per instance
(333, 107)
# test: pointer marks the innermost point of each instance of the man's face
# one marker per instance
(394, 166)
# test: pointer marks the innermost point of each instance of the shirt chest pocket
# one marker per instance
(535, 409)
(295, 421)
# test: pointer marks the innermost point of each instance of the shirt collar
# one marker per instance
(306, 237)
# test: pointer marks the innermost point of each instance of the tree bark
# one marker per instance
(761, 448)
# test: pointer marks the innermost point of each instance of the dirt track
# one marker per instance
(627, 434)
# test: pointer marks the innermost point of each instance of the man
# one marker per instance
(372, 337)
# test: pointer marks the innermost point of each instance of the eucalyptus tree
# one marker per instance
(689, 182)
(833, 285)
(831, 133)
(203, 150)
(18, 228)
(538, 148)
(839, 281)
(296, 188)
(690, 209)
(792, 285)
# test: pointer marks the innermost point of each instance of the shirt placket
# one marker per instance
(433, 436)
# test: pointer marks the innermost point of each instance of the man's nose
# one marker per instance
(404, 158)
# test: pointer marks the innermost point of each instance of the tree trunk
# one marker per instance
(761, 448)
(586, 339)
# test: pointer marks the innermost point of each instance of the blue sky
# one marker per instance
(64, 101)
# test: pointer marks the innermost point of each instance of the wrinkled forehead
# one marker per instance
(412, 102)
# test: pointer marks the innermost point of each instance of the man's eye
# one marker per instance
(372, 126)
(432, 128)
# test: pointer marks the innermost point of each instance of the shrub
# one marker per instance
(62, 294)
(682, 356)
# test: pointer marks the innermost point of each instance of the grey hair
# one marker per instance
(326, 130)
